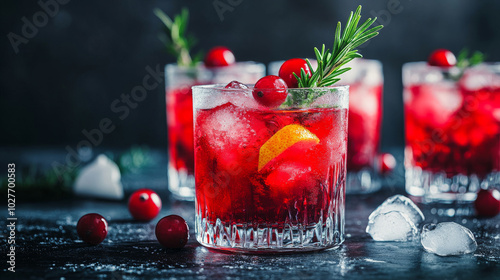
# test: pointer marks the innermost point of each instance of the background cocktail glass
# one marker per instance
(452, 131)
(294, 200)
(179, 103)
(366, 81)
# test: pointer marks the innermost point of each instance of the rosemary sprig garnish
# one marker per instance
(176, 40)
(343, 51)
(464, 61)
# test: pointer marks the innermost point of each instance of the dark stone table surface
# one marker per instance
(48, 246)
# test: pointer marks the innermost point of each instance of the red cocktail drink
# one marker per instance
(452, 130)
(270, 180)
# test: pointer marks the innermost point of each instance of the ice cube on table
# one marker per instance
(448, 239)
(391, 226)
(401, 204)
(101, 179)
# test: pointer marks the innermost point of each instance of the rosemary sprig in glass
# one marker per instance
(343, 51)
(464, 61)
(176, 40)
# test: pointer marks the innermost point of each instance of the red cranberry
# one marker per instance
(92, 228)
(144, 205)
(236, 85)
(293, 66)
(270, 91)
(487, 203)
(172, 232)
(443, 58)
(387, 163)
(219, 56)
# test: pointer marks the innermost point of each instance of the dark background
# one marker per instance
(65, 78)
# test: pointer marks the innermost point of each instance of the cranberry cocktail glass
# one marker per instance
(179, 103)
(452, 131)
(270, 179)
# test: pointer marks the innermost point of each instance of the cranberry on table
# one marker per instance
(236, 85)
(270, 91)
(92, 228)
(144, 204)
(291, 66)
(443, 58)
(387, 163)
(219, 56)
(172, 232)
(487, 203)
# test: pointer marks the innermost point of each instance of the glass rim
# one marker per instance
(492, 64)
(249, 66)
(358, 63)
(361, 59)
(297, 98)
(251, 87)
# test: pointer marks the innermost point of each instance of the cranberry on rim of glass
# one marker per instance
(219, 56)
(270, 91)
(442, 58)
(293, 68)
(452, 126)
(218, 66)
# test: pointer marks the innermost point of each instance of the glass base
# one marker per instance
(437, 187)
(269, 239)
(181, 184)
(363, 181)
